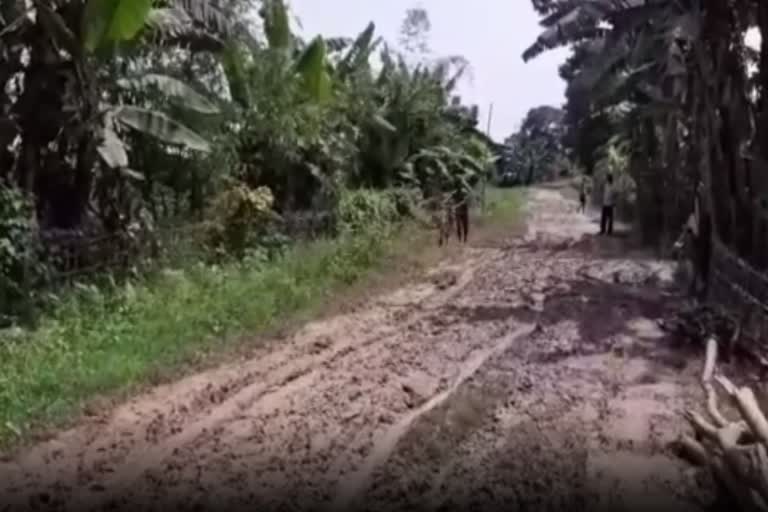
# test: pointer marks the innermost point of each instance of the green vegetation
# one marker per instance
(535, 152)
(122, 120)
(103, 340)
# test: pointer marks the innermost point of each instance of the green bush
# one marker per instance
(406, 201)
(239, 214)
(363, 210)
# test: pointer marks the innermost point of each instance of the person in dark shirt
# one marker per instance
(461, 205)
(583, 196)
(609, 200)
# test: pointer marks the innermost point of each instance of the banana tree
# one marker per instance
(109, 23)
(412, 112)
(62, 101)
(283, 93)
(441, 170)
(309, 65)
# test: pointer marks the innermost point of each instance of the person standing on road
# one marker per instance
(606, 219)
(461, 211)
(583, 195)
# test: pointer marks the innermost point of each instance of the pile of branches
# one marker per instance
(735, 450)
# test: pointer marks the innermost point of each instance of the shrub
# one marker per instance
(406, 201)
(361, 210)
(238, 216)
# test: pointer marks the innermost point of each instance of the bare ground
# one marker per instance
(530, 375)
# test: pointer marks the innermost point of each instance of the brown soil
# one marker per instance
(531, 375)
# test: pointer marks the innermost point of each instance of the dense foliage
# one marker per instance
(120, 118)
(672, 88)
(536, 152)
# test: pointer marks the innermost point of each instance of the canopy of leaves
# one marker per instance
(167, 98)
(535, 151)
(119, 117)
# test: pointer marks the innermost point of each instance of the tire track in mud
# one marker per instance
(350, 489)
(517, 440)
(308, 470)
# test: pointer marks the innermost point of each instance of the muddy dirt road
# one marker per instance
(530, 375)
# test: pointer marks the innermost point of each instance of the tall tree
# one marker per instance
(536, 147)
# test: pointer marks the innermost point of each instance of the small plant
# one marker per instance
(238, 216)
(361, 210)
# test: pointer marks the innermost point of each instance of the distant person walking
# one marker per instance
(583, 196)
(606, 218)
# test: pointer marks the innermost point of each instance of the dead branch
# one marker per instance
(742, 467)
(706, 384)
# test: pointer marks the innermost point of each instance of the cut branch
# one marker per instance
(740, 466)
(706, 384)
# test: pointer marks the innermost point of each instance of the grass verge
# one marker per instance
(102, 343)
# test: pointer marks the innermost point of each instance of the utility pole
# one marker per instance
(490, 118)
(485, 171)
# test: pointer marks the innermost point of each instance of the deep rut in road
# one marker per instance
(524, 378)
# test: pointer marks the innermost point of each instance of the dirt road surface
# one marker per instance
(530, 375)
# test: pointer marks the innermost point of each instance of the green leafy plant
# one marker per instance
(363, 210)
(238, 215)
